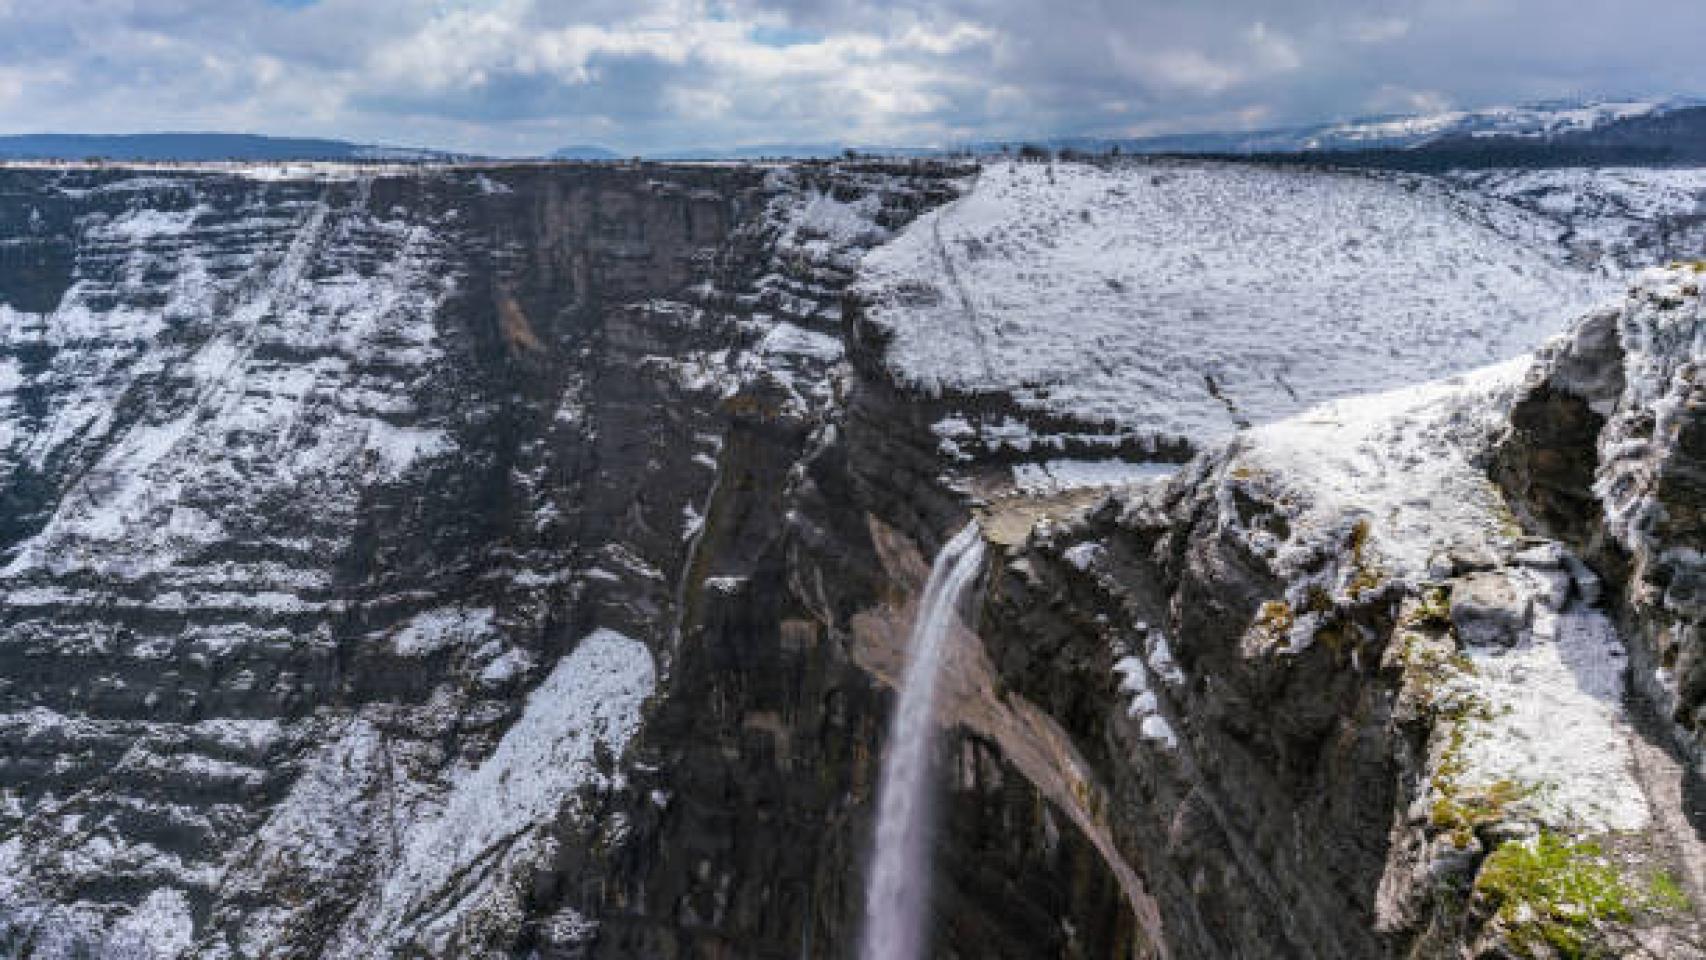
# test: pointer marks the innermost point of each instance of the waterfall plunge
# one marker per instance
(900, 872)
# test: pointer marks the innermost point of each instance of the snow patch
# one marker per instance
(1402, 460)
(789, 339)
(1556, 723)
(509, 665)
(1406, 464)
(1144, 706)
(1613, 216)
(1056, 476)
(161, 926)
(1083, 556)
(145, 224)
(496, 810)
(394, 449)
(430, 631)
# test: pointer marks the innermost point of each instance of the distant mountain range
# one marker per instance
(1670, 130)
(588, 152)
(192, 147)
(792, 151)
(1549, 122)
(1675, 128)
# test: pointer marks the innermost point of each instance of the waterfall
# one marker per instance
(896, 904)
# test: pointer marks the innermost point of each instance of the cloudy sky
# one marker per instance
(525, 76)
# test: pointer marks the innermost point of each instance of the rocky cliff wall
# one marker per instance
(1348, 704)
(316, 489)
(518, 562)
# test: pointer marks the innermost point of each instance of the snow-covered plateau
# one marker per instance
(1190, 299)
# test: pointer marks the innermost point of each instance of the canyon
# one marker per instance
(519, 560)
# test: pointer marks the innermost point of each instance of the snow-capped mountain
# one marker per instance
(1530, 123)
(1537, 121)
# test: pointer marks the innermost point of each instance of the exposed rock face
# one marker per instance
(311, 481)
(351, 520)
(1243, 772)
(1329, 731)
(1606, 450)
(517, 562)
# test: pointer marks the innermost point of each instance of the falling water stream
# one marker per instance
(896, 903)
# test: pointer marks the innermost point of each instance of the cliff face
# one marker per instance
(407, 565)
(314, 487)
(1605, 452)
(309, 484)
(518, 562)
(1340, 694)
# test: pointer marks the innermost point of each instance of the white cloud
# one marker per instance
(1189, 70)
(1394, 99)
(528, 75)
(940, 42)
(1272, 50)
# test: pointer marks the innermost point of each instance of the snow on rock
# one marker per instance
(160, 926)
(1409, 468)
(1621, 216)
(1638, 365)
(1156, 728)
(506, 667)
(1083, 556)
(1056, 476)
(819, 224)
(148, 224)
(1403, 460)
(164, 369)
(788, 339)
(1144, 706)
(1663, 338)
(1568, 676)
(335, 817)
(490, 825)
(430, 631)
(270, 487)
(1187, 299)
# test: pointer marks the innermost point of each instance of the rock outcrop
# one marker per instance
(1351, 706)
(1606, 453)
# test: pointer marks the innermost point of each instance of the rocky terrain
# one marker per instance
(1364, 700)
(517, 561)
(319, 485)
